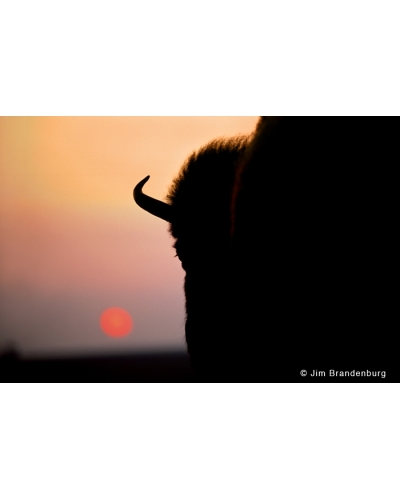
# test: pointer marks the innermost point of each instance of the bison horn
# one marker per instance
(155, 207)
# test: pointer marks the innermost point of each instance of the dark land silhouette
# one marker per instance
(130, 367)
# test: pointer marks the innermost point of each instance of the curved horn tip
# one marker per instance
(140, 184)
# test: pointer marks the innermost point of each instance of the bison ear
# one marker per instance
(151, 205)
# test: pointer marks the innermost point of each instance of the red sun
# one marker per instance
(116, 322)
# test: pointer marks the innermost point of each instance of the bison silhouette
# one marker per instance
(286, 237)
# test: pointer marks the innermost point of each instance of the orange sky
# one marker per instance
(72, 240)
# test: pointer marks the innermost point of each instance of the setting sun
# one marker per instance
(116, 322)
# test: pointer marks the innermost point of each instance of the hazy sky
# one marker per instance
(72, 241)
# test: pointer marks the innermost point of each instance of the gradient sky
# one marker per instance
(72, 241)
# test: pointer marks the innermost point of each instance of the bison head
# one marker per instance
(198, 209)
